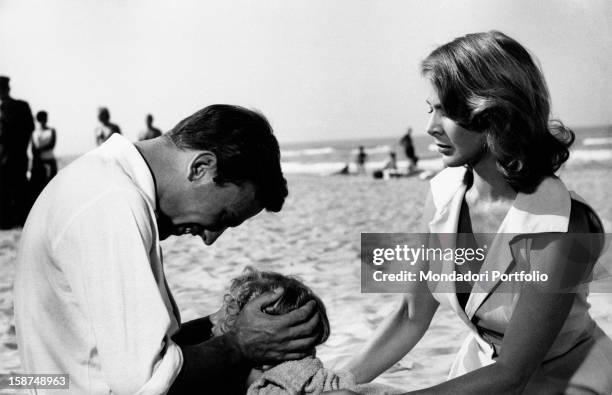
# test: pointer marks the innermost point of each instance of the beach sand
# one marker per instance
(317, 237)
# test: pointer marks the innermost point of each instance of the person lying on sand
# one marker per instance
(303, 376)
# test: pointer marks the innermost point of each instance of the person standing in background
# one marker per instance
(106, 127)
(44, 166)
(16, 126)
(361, 159)
(151, 131)
(406, 142)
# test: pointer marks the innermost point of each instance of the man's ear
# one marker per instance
(202, 164)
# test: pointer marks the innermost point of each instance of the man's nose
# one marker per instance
(210, 237)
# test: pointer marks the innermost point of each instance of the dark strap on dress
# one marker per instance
(465, 239)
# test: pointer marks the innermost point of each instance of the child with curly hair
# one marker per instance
(305, 376)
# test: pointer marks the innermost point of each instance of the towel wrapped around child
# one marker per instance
(308, 376)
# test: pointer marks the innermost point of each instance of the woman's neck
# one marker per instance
(488, 183)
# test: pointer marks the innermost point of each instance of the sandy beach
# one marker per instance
(317, 237)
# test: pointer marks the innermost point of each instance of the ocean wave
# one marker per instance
(327, 168)
(331, 167)
(379, 149)
(307, 152)
(591, 155)
(597, 141)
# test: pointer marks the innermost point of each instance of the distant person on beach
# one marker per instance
(151, 131)
(44, 166)
(345, 171)
(361, 159)
(389, 169)
(16, 126)
(490, 120)
(406, 142)
(392, 162)
(106, 128)
(303, 376)
(91, 297)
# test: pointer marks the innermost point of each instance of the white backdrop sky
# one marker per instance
(319, 69)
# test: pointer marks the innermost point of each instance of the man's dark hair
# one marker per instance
(244, 145)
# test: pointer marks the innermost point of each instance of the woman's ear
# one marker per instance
(203, 163)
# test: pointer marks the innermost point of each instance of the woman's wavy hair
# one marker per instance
(252, 283)
(488, 82)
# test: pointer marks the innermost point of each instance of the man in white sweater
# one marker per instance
(91, 298)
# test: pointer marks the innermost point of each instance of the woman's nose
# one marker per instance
(433, 125)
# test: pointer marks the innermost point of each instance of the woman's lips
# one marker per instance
(444, 148)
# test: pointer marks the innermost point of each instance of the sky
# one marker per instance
(318, 69)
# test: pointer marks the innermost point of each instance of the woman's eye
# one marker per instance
(430, 110)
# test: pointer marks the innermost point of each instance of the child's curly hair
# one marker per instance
(252, 283)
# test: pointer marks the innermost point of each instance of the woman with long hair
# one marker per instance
(490, 120)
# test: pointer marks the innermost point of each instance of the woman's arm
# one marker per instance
(535, 325)
(538, 317)
(403, 329)
(395, 337)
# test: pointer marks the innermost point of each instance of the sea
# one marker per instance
(592, 147)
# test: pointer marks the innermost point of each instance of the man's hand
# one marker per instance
(264, 338)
